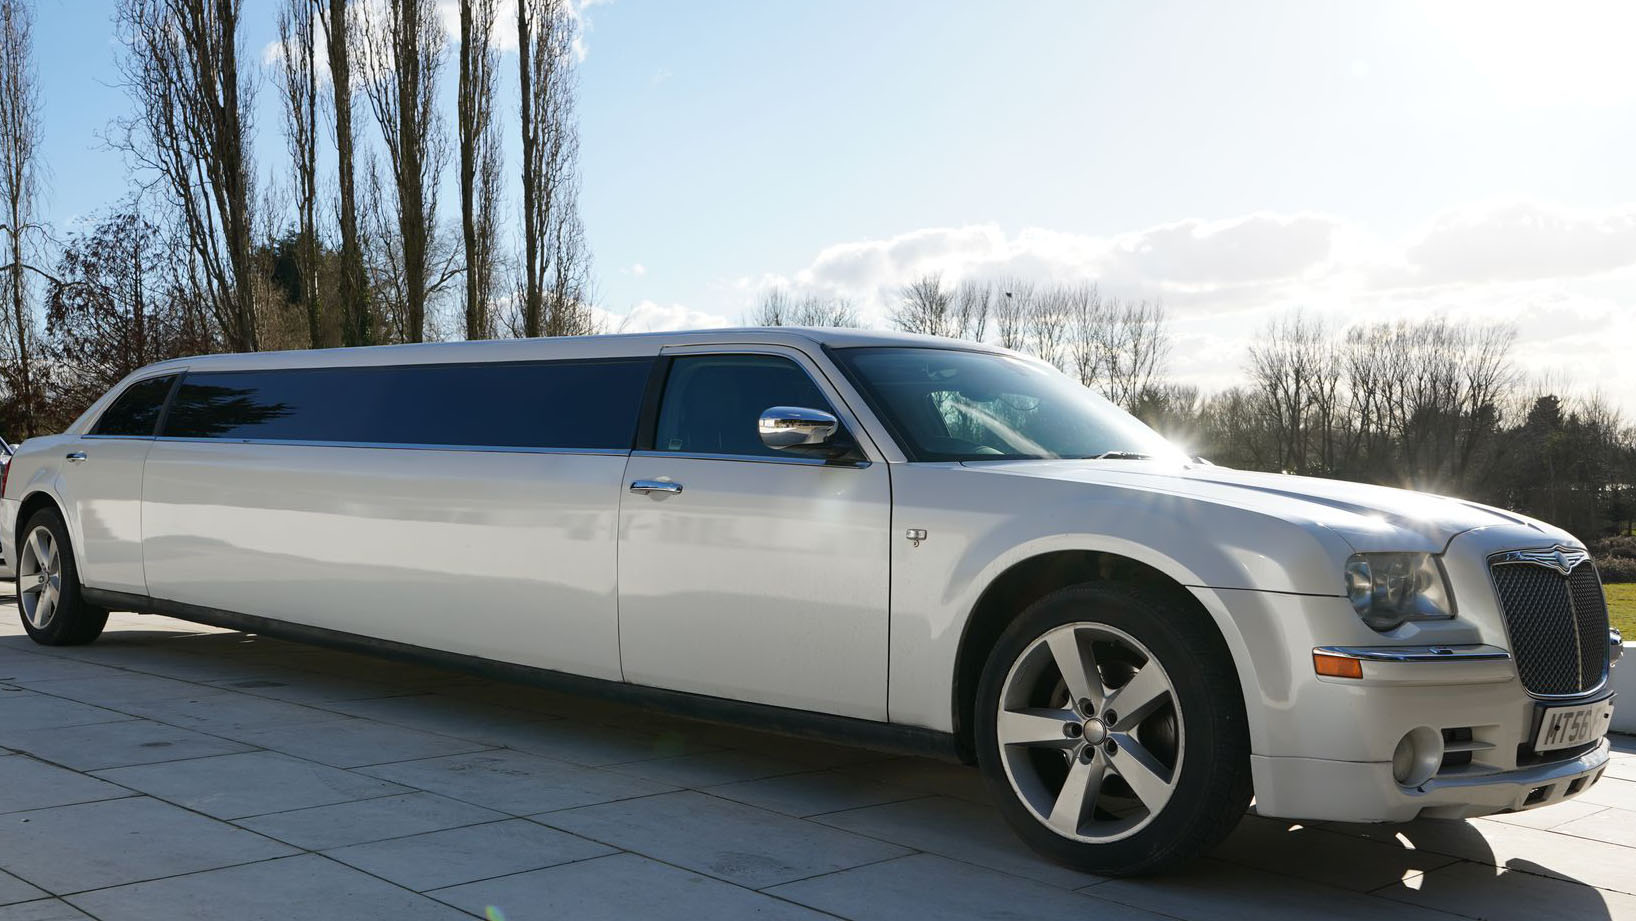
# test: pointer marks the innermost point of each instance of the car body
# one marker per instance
(858, 592)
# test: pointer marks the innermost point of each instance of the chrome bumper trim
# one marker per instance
(1417, 654)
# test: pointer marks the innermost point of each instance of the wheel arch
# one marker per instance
(1026, 580)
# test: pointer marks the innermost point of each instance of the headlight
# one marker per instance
(1390, 589)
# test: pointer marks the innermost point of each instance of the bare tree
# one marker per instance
(555, 284)
(400, 52)
(1296, 374)
(969, 310)
(778, 308)
(191, 130)
(121, 299)
(19, 176)
(352, 285)
(298, 43)
(479, 62)
(923, 306)
(1013, 305)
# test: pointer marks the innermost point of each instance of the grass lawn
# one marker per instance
(1622, 606)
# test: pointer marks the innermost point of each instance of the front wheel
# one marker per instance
(1111, 729)
(48, 587)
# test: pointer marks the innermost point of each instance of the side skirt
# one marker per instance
(907, 740)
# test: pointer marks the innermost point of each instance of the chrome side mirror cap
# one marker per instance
(786, 427)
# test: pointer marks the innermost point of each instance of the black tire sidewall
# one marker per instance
(74, 622)
(1213, 790)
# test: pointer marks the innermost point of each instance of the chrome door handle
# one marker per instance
(75, 456)
(650, 486)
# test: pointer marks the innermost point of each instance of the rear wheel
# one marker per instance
(1111, 729)
(53, 609)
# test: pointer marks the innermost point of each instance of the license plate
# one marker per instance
(1565, 727)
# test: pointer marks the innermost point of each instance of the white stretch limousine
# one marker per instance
(903, 542)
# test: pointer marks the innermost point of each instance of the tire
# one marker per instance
(49, 599)
(1172, 776)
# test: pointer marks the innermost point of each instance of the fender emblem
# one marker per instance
(915, 535)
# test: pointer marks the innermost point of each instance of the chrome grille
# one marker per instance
(1558, 625)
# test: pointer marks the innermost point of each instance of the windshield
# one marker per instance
(950, 405)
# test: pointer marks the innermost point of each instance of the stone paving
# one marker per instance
(173, 772)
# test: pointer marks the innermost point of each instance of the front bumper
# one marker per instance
(1351, 791)
(1322, 746)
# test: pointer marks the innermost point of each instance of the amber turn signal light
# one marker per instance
(1336, 666)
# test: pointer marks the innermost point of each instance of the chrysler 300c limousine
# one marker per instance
(902, 542)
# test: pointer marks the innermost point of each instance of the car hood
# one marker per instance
(1370, 518)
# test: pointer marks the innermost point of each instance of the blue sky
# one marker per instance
(1367, 159)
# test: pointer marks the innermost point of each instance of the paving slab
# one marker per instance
(811, 794)
(1611, 791)
(439, 859)
(355, 742)
(928, 776)
(301, 887)
(957, 829)
(27, 783)
(1495, 894)
(225, 713)
(120, 744)
(22, 710)
(48, 667)
(438, 714)
(252, 783)
(1315, 855)
(115, 691)
(1617, 826)
(514, 782)
(927, 886)
(1211, 890)
(313, 687)
(592, 745)
(710, 768)
(623, 887)
(731, 841)
(13, 890)
(320, 827)
(44, 910)
(95, 845)
(1547, 817)
(1595, 863)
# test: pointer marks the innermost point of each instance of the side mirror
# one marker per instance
(786, 427)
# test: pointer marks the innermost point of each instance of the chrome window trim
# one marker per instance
(756, 459)
(1417, 654)
(1553, 557)
(400, 446)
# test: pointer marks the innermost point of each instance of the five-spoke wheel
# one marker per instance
(39, 577)
(54, 610)
(1089, 732)
(1110, 727)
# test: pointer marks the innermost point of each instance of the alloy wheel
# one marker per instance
(39, 577)
(1090, 733)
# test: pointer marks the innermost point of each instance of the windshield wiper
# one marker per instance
(1121, 455)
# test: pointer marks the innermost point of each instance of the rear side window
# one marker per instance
(712, 402)
(570, 404)
(135, 412)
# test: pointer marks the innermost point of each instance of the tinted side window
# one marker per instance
(135, 412)
(571, 404)
(712, 402)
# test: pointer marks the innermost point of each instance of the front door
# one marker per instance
(765, 577)
(102, 485)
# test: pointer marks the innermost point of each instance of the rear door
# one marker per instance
(469, 508)
(766, 577)
(102, 485)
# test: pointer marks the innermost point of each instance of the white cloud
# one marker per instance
(653, 317)
(1522, 241)
(1565, 277)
